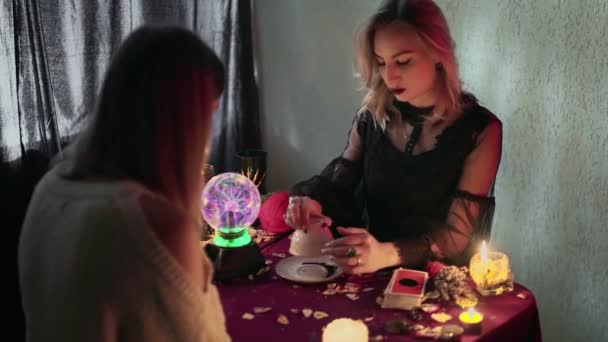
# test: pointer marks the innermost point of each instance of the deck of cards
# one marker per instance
(405, 290)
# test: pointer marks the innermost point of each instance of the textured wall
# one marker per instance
(540, 65)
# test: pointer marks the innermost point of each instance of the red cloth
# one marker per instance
(272, 212)
(433, 268)
(506, 317)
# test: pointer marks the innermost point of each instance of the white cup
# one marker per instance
(311, 242)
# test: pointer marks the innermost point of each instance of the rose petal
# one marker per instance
(367, 289)
(295, 311)
(368, 319)
(441, 317)
(282, 319)
(319, 314)
(306, 312)
(352, 296)
(247, 316)
(260, 310)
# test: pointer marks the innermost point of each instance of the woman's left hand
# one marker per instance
(357, 251)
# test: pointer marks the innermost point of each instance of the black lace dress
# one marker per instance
(413, 200)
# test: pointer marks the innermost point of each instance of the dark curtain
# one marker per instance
(53, 55)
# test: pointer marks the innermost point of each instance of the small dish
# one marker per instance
(308, 269)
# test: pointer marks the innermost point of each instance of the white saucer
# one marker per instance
(298, 269)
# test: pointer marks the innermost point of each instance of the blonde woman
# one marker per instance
(421, 157)
(109, 249)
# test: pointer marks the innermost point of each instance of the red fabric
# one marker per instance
(433, 268)
(506, 317)
(272, 211)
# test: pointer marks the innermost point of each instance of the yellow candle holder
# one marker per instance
(490, 272)
(471, 321)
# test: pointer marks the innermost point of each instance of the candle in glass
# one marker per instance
(491, 272)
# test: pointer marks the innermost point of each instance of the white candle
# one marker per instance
(346, 330)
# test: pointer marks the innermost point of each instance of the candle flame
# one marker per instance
(471, 312)
(484, 253)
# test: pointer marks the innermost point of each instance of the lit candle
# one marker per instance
(484, 253)
(491, 272)
(471, 320)
(345, 330)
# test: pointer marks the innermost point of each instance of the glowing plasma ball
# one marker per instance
(230, 202)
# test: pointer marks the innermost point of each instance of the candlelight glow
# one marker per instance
(471, 316)
(484, 253)
(346, 330)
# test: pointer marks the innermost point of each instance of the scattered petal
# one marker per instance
(441, 317)
(306, 312)
(248, 316)
(329, 292)
(352, 296)
(429, 332)
(295, 311)
(417, 327)
(332, 285)
(430, 308)
(319, 314)
(282, 319)
(260, 310)
(268, 262)
(378, 338)
(367, 289)
(279, 255)
(296, 286)
(368, 319)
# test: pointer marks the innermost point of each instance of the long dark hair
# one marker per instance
(152, 121)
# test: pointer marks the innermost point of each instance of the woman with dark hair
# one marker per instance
(421, 156)
(109, 249)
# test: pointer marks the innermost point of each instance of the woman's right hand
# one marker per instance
(301, 210)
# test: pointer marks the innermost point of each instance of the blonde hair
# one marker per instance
(153, 117)
(431, 26)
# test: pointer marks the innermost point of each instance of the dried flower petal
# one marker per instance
(441, 317)
(247, 316)
(417, 327)
(378, 338)
(282, 319)
(319, 314)
(367, 289)
(260, 310)
(368, 319)
(295, 311)
(279, 255)
(306, 312)
(352, 296)
(429, 308)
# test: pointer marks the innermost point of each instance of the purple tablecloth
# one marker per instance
(507, 317)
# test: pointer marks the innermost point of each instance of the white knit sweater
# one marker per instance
(92, 270)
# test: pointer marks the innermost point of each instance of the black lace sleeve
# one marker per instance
(454, 240)
(336, 185)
